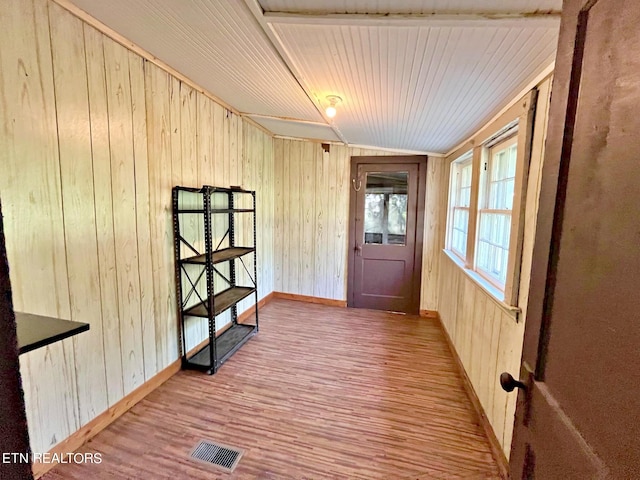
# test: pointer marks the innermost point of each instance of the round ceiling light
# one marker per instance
(331, 109)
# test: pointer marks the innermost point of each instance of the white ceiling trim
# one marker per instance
(488, 19)
(296, 129)
(409, 6)
(286, 119)
(307, 139)
(398, 150)
(364, 147)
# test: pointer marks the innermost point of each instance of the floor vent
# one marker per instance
(221, 456)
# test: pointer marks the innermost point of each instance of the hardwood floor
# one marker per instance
(320, 393)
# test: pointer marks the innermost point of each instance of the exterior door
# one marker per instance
(386, 233)
(579, 416)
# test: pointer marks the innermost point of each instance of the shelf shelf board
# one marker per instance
(211, 189)
(216, 210)
(235, 189)
(35, 331)
(219, 256)
(226, 345)
(232, 210)
(222, 301)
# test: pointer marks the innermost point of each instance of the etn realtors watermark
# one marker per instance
(13, 457)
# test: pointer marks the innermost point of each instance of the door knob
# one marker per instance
(508, 383)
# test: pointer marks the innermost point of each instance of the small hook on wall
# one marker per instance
(353, 181)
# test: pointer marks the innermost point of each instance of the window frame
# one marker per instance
(463, 161)
(507, 140)
(515, 124)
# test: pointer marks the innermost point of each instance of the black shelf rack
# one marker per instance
(207, 274)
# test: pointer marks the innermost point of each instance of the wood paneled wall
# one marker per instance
(92, 139)
(487, 337)
(312, 189)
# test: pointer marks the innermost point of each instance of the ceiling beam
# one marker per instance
(520, 19)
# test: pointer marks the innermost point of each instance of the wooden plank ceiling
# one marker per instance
(413, 75)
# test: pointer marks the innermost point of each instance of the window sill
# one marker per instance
(494, 294)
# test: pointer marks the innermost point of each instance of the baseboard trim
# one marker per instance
(429, 314)
(251, 310)
(106, 418)
(310, 299)
(496, 448)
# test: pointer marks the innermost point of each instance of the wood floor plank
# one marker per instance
(320, 392)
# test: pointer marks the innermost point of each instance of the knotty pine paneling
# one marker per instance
(124, 212)
(93, 137)
(103, 198)
(143, 214)
(31, 195)
(79, 219)
(487, 338)
(312, 215)
(435, 218)
(488, 341)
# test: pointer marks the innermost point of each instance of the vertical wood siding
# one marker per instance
(92, 138)
(312, 215)
(487, 338)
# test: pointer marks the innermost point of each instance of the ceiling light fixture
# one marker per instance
(331, 109)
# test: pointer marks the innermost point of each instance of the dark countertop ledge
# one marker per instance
(36, 331)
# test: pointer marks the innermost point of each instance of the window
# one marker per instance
(494, 211)
(482, 233)
(385, 208)
(460, 205)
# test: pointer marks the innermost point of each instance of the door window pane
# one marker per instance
(385, 208)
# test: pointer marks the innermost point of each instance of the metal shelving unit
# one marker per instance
(208, 261)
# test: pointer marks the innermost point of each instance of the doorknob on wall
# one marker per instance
(358, 249)
(508, 383)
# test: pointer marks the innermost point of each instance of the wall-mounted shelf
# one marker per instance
(37, 331)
